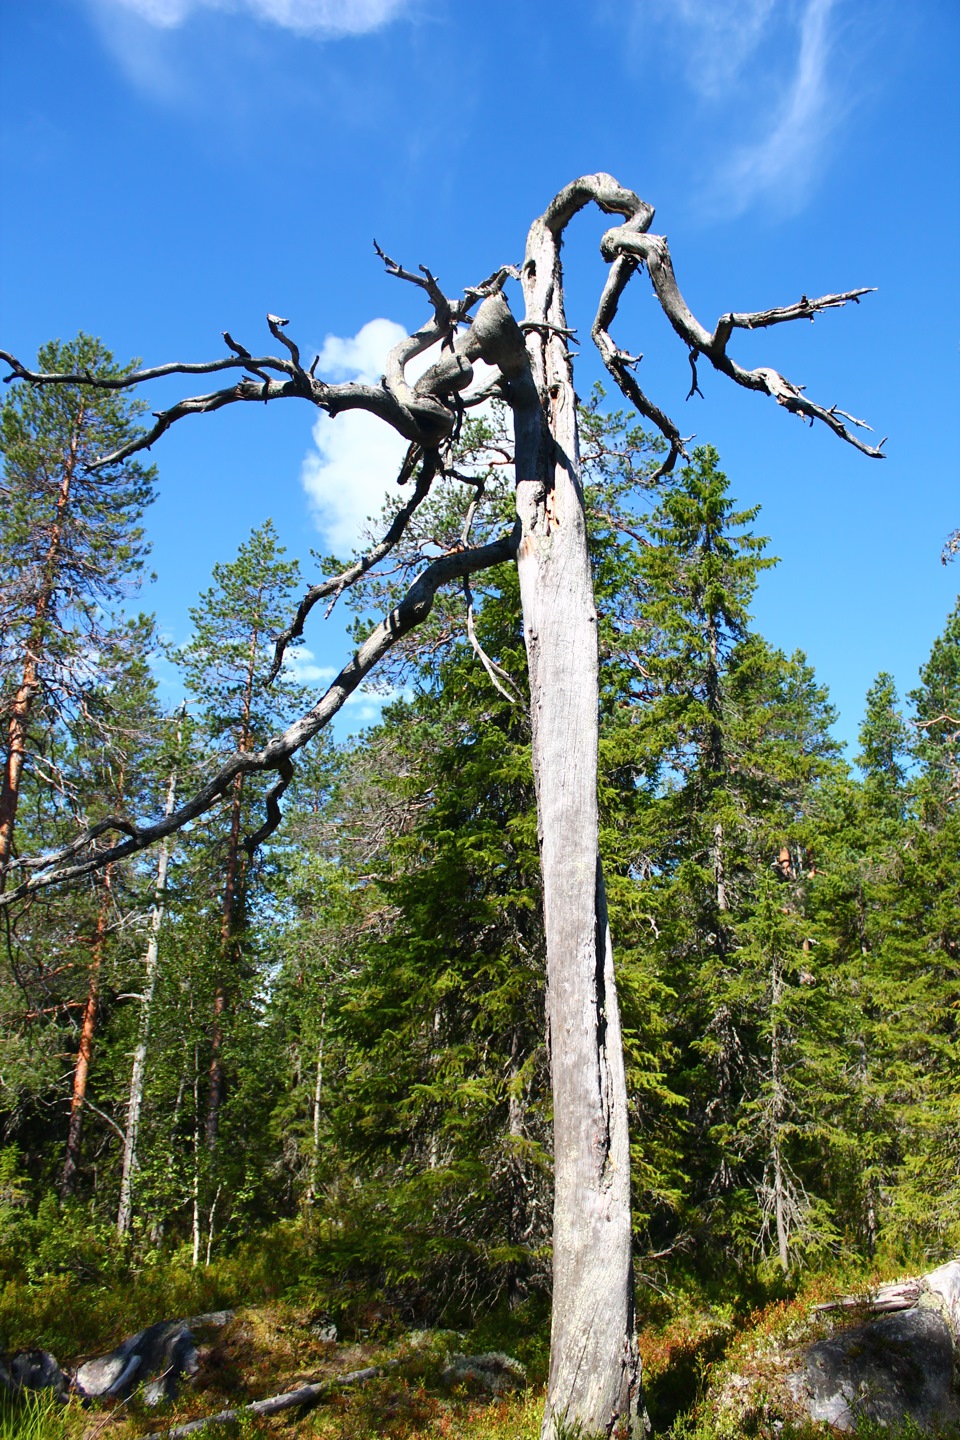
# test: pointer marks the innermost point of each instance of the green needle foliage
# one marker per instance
(346, 1069)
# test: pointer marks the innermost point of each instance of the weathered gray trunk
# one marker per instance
(139, 1067)
(594, 1365)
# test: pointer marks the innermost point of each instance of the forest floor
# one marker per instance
(273, 1348)
(275, 1343)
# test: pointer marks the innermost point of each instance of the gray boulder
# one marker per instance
(156, 1357)
(32, 1370)
(900, 1364)
(891, 1369)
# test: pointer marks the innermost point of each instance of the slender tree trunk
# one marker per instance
(719, 871)
(594, 1364)
(215, 1090)
(714, 757)
(30, 681)
(13, 769)
(88, 1029)
(780, 1210)
(213, 1212)
(317, 1094)
(138, 1071)
(196, 1158)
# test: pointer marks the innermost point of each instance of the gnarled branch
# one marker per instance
(336, 584)
(411, 611)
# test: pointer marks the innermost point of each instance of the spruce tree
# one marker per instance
(924, 946)
(224, 664)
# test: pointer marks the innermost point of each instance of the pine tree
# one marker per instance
(70, 548)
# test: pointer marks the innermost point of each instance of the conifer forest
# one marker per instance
(279, 1021)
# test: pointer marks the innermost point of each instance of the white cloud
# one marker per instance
(763, 66)
(357, 457)
(718, 38)
(301, 666)
(364, 706)
(362, 356)
(307, 17)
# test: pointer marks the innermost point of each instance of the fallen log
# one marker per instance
(899, 1295)
(307, 1394)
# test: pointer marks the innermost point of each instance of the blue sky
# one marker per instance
(174, 168)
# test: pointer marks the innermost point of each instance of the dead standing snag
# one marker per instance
(594, 1366)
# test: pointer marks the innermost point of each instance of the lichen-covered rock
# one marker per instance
(165, 1351)
(32, 1370)
(889, 1370)
(493, 1372)
(890, 1359)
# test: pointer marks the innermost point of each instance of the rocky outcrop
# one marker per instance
(892, 1369)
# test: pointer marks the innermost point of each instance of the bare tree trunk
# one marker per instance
(138, 1071)
(213, 1211)
(30, 682)
(594, 1363)
(88, 1030)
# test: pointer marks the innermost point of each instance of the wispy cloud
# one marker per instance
(781, 165)
(307, 17)
(763, 69)
(717, 38)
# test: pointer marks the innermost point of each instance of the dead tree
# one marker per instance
(594, 1368)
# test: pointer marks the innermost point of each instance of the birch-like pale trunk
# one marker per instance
(594, 1364)
(195, 1225)
(780, 1197)
(139, 1067)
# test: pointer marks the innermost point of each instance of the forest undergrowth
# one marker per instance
(693, 1330)
(309, 1080)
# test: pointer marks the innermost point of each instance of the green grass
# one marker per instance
(37, 1416)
